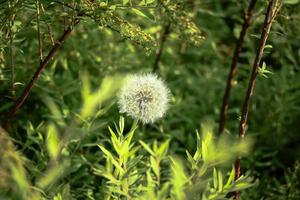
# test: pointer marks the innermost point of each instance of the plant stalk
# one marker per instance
(233, 67)
(163, 39)
(272, 11)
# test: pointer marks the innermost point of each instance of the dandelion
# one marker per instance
(144, 97)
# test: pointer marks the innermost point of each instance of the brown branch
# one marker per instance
(233, 67)
(163, 39)
(272, 10)
(11, 62)
(35, 77)
(39, 30)
(11, 58)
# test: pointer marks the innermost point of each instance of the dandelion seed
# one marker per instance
(144, 97)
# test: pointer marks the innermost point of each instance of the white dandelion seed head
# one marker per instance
(144, 97)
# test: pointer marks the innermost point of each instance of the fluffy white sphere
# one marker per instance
(144, 97)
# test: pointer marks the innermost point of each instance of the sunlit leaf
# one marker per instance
(52, 141)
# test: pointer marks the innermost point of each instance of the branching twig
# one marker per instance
(48, 27)
(50, 34)
(234, 62)
(163, 39)
(36, 75)
(272, 11)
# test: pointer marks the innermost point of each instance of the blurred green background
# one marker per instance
(196, 76)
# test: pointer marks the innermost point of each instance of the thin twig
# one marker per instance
(36, 75)
(272, 11)
(74, 5)
(64, 17)
(39, 30)
(163, 38)
(11, 59)
(50, 34)
(48, 27)
(234, 62)
(136, 6)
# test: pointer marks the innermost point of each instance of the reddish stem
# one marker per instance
(270, 15)
(163, 39)
(233, 68)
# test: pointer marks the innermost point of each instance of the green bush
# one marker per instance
(62, 142)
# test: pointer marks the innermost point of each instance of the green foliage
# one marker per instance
(59, 145)
(125, 170)
(188, 29)
(127, 30)
(288, 190)
(12, 171)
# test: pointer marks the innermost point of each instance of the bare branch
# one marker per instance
(234, 62)
(39, 30)
(272, 10)
(11, 58)
(36, 75)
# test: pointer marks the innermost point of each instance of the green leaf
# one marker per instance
(113, 7)
(215, 178)
(263, 70)
(125, 2)
(231, 177)
(107, 90)
(154, 166)
(115, 141)
(150, 181)
(241, 186)
(109, 155)
(203, 170)
(133, 151)
(179, 179)
(19, 177)
(121, 124)
(147, 148)
(102, 4)
(291, 2)
(100, 171)
(207, 143)
(129, 137)
(52, 142)
(146, 2)
(53, 174)
(190, 159)
(140, 13)
(198, 152)
(163, 192)
(220, 179)
(268, 46)
(113, 135)
(163, 149)
(242, 183)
